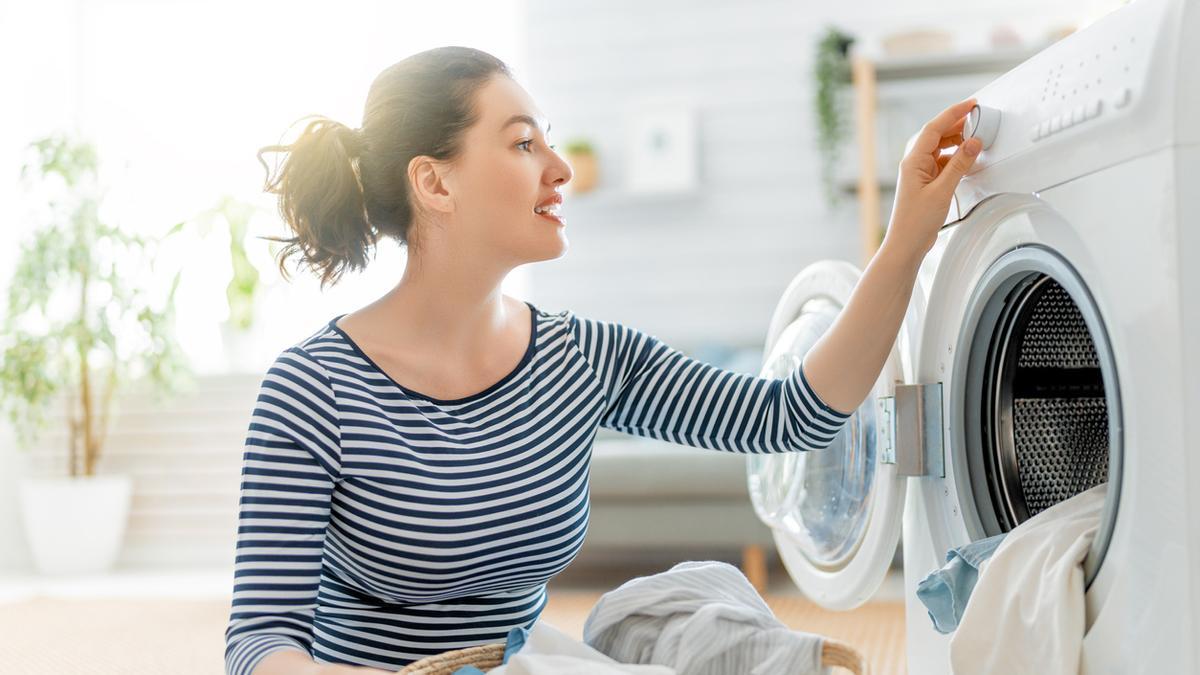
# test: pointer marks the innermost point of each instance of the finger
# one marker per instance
(945, 123)
(940, 162)
(960, 162)
(955, 132)
(950, 141)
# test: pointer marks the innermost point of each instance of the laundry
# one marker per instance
(545, 650)
(1031, 594)
(946, 590)
(699, 618)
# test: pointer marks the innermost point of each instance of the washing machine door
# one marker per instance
(835, 513)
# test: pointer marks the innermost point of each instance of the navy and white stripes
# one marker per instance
(378, 525)
(654, 390)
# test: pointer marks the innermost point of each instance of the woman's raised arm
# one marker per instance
(844, 364)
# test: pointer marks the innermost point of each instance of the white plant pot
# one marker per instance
(75, 525)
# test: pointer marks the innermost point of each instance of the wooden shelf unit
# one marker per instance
(959, 70)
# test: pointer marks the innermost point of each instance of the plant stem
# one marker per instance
(85, 384)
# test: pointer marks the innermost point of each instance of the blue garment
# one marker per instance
(945, 591)
(379, 525)
(516, 639)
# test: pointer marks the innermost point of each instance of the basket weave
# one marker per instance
(834, 654)
(483, 657)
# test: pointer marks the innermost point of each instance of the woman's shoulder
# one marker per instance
(310, 353)
(549, 314)
(584, 325)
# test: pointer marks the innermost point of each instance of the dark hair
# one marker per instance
(340, 189)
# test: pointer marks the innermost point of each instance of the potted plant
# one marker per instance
(582, 158)
(831, 72)
(242, 293)
(78, 329)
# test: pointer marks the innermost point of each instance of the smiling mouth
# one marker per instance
(551, 212)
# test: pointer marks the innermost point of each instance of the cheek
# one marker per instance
(503, 183)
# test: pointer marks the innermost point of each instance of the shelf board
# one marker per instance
(952, 63)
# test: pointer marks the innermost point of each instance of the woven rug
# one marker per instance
(151, 636)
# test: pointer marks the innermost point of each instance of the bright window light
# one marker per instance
(178, 96)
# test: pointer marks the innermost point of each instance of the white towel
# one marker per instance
(549, 651)
(700, 618)
(1026, 614)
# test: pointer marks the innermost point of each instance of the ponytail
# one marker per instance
(321, 198)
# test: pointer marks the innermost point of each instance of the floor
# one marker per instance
(143, 622)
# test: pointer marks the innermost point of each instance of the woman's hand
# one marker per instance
(844, 364)
(927, 181)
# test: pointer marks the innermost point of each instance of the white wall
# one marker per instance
(709, 269)
(36, 100)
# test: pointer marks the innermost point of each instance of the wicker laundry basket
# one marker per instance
(834, 654)
(483, 657)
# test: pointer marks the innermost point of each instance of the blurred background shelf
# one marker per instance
(893, 96)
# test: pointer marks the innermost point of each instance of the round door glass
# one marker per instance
(820, 498)
(772, 478)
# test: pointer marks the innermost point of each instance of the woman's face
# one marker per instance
(508, 168)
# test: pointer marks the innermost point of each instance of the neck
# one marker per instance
(461, 307)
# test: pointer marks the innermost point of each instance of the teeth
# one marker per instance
(552, 208)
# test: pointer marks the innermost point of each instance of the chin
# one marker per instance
(546, 245)
(557, 251)
(547, 249)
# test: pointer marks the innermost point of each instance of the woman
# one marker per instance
(415, 471)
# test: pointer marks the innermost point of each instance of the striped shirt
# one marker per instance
(378, 525)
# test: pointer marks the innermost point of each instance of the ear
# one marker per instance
(427, 178)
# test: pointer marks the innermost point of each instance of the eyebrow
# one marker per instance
(524, 119)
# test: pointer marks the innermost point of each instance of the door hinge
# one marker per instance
(909, 430)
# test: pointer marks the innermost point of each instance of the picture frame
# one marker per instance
(663, 153)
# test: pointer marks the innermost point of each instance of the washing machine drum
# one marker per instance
(1040, 403)
(1045, 421)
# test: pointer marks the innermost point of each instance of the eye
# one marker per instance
(552, 147)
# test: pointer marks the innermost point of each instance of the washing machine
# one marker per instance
(1052, 343)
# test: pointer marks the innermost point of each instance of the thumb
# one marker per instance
(959, 164)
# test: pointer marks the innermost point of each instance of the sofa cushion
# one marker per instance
(645, 468)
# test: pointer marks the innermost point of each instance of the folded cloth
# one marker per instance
(545, 650)
(1026, 614)
(700, 618)
(945, 591)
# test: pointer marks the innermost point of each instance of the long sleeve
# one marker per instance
(290, 465)
(654, 390)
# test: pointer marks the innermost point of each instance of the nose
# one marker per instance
(560, 171)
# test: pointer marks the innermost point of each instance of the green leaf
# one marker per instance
(831, 72)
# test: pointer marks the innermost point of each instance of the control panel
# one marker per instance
(1090, 91)
(1076, 92)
